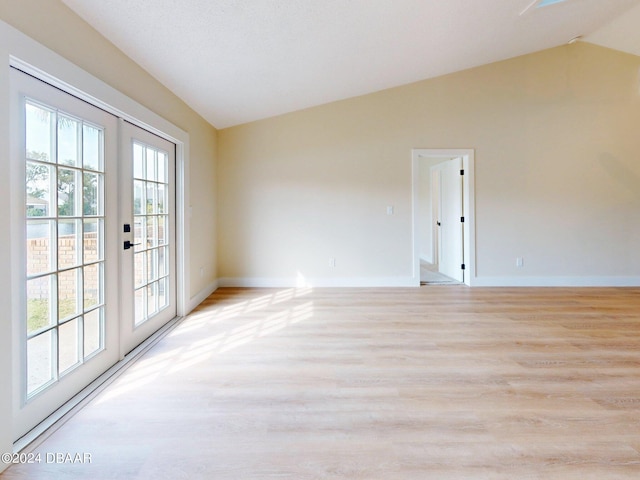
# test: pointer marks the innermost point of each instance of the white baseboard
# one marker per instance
(267, 282)
(604, 281)
(200, 297)
(264, 282)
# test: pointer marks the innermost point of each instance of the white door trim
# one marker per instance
(468, 162)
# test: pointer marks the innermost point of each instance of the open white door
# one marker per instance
(451, 225)
(452, 171)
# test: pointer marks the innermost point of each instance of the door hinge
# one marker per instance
(463, 267)
(462, 172)
(462, 219)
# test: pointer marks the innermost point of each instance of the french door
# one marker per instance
(147, 217)
(87, 299)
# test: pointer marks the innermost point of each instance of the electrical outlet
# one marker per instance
(519, 262)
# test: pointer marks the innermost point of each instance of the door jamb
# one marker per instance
(468, 205)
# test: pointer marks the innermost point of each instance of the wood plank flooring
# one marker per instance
(441, 382)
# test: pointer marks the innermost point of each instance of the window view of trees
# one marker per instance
(37, 186)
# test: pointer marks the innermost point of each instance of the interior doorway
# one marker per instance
(443, 220)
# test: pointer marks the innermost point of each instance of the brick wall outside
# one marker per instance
(38, 261)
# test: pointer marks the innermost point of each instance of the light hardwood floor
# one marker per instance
(441, 382)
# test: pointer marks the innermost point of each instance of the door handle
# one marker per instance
(438, 223)
(128, 244)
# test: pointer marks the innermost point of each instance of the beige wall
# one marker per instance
(54, 25)
(557, 175)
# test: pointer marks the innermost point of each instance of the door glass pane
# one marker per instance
(91, 196)
(151, 198)
(93, 240)
(40, 360)
(140, 233)
(39, 178)
(152, 265)
(162, 222)
(92, 285)
(140, 262)
(140, 304)
(40, 133)
(68, 299)
(40, 244)
(162, 167)
(161, 199)
(40, 303)
(68, 141)
(68, 182)
(69, 345)
(163, 299)
(92, 146)
(138, 161)
(64, 181)
(151, 164)
(93, 328)
(138, 198)
(152, 231)
(162, 262)
(69, 245)
(152, 300)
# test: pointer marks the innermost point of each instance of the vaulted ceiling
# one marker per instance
(235, 61)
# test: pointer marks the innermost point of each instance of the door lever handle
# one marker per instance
(128, 244)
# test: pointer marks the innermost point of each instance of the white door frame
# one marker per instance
(20, 51)
(468, 164)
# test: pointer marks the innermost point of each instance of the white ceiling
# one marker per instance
(623, 33)
(235, 61)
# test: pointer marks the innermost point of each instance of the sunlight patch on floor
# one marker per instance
(158, 363)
